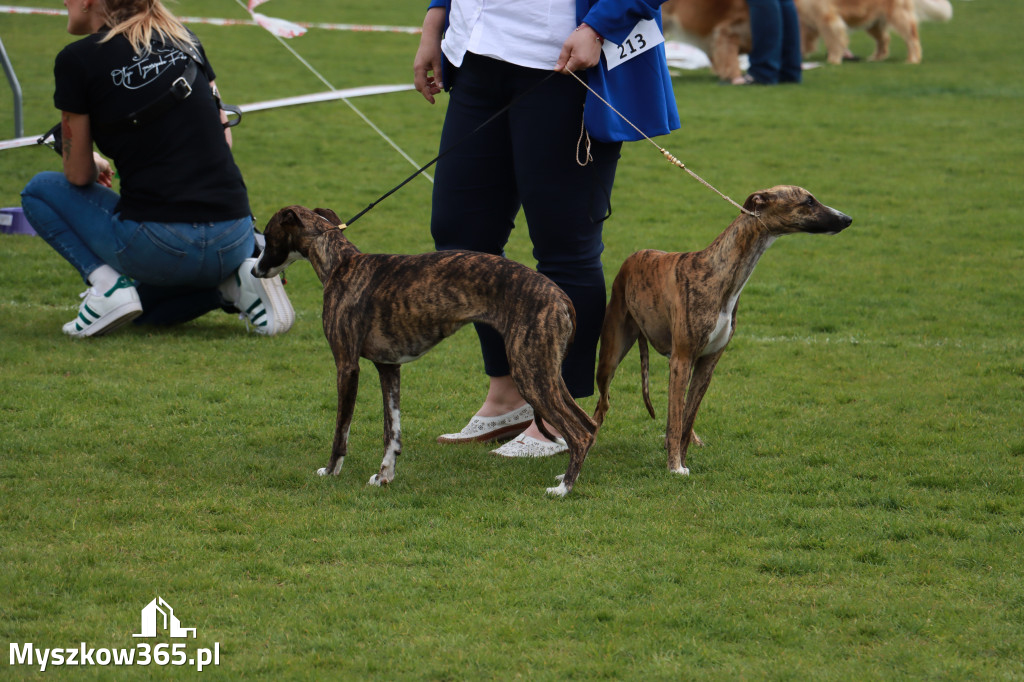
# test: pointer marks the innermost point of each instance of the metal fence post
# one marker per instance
(12, 78)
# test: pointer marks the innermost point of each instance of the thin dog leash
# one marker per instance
(664, 152)
(672, 159)
(453, 146)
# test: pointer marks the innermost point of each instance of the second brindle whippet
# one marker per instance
(684, 304)
(391, 309)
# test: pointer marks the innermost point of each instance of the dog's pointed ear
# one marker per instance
(330, 216)
(293, 214)
(284, 216)
(756, 201)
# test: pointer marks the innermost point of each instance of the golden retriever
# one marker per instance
(830, 19)
(722, 27)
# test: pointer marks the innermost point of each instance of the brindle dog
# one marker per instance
(392, 309)
(685, 304)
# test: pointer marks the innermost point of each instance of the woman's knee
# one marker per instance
(53, 190)
(45, 186)
(570, 256)
(41, 198)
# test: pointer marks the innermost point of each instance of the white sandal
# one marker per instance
(527, 446)
(485, 429)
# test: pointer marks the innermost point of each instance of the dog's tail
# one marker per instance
(933, 10)
(645, 380)
(560, 409)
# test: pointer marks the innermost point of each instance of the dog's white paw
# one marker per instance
(682, 471)
(324, 471)
(559, 477)
(559, 491)
(378, 481)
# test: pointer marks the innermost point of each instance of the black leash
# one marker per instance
(436, 158)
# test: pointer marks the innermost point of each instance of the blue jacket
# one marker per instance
(641, 89)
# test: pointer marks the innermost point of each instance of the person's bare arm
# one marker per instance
(223, 114)
(82, 166)
(426, 67)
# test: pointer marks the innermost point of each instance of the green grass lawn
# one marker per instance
(858, 512)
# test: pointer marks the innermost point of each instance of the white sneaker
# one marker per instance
(262, 302)
(102, 313)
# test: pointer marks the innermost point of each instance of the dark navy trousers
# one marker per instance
(775, 55)
(527, 158)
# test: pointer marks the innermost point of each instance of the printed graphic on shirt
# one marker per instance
(144, 69)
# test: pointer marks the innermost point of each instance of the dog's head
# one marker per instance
(786, 209)
(289, 234)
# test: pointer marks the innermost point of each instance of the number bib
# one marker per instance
(645, 36)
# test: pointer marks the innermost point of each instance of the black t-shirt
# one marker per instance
(176, 168)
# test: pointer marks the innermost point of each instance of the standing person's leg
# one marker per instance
(475, 202)
(791, 58)
(475, 199)
(766, 37)
(565, 204)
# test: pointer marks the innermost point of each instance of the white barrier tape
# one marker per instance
(325, 96)
(18, 142)
(13, 9)
(269, 104)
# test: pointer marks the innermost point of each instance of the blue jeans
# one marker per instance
(775, 55)
(177, 266)
(527, 158)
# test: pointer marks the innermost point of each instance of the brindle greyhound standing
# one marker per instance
(391, 309)
(685, 304)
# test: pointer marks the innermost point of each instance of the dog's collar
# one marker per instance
(341, 226)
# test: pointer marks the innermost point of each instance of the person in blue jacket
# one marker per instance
(550, 150)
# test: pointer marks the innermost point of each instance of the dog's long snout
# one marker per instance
(842, 219)
(260, 269)
(829, 221)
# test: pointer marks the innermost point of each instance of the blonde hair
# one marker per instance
(138, 20)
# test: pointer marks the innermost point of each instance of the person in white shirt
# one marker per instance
(537, 154)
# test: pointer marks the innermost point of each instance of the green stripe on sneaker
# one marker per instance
(122, 283)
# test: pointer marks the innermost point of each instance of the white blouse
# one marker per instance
(525, 32)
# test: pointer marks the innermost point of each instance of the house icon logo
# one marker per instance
(158, 611)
